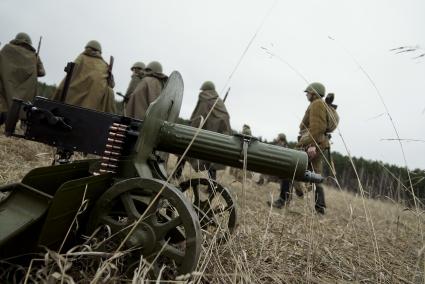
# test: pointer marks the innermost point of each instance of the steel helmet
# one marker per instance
(154, 66)
(316, 88)
(281, 137)
(207, 85)
(138, 64)
(94, 44)
(24, 37)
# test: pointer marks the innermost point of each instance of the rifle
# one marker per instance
(125, 98)
(69, 69)
(227, 93)
(38, 47)
(111, 64)
(111, 81)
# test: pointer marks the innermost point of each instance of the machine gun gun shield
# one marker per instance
(165, 108)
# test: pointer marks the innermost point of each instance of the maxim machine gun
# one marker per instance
(125, 191)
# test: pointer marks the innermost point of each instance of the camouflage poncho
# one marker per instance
(219, 120)
(89, 86)
(135, 80)
(147, 91)
(19, 69)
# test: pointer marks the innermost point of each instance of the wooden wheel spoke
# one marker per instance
(164, 228)
(115, 225)
(173, 253)
(146, 200)
(210, 217)
(130, 208)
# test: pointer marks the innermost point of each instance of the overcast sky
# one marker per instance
(204, 40)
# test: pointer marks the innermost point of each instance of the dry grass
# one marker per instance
(291, 245)
(294, 245)
(19, 156)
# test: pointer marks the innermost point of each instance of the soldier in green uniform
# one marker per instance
(238, 173)
(148, 90)
(19, 68)
(138, 69)
(91, 82)
(313, 138)
(285, 184)
(246, 130)
(281, 140)
(218, 121)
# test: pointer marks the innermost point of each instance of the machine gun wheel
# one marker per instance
(168, 235)
(215, 206)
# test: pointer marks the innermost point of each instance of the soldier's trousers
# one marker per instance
(285, 189)
(3, 117)
(319, 194)
(316, 165)
(319, 198)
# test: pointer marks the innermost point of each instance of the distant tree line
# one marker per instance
(45, 90)
(380, 180)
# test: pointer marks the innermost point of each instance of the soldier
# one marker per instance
(147, 91)
(313, 138)
(238, 173)
(281, 140)
(246, 130)
(91, 82)
(19, 68)
(285, 184)
(138, 69)
(218, 121)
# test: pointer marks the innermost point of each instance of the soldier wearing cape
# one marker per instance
(19, 68)
(91, 82)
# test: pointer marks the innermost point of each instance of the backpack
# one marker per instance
(332, 117)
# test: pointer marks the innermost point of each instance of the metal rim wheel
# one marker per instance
(214, 205)
(169, 233)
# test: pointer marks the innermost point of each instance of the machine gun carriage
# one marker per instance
(127, 188)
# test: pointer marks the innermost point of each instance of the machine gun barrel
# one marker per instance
(228, 150)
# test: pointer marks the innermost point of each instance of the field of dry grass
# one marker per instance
(358, 240)
(18, 157)
(295, 245)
